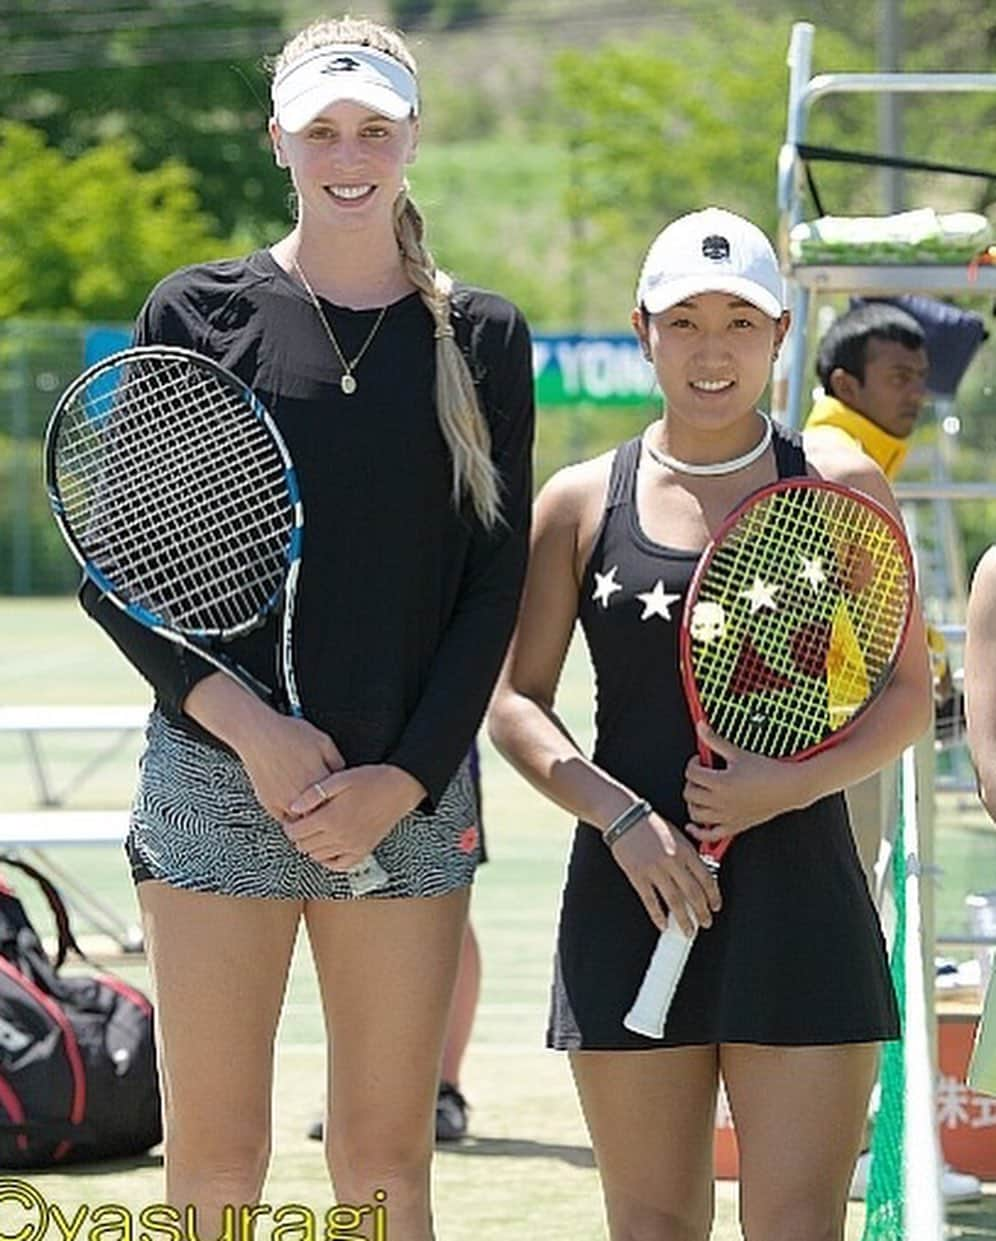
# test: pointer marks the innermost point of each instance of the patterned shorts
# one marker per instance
(196, 824)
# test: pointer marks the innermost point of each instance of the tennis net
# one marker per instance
(904, 1190)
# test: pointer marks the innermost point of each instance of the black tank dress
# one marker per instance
(796, 955)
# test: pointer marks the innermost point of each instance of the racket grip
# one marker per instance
(366, 876)
(648, 1015)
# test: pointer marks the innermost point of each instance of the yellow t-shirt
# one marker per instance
(887, 451)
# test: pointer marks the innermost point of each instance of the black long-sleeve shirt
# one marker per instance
(405, 602)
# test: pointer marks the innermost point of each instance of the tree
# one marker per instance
(956, 37)
(659, 127)
(440, 13)
(177, 78)
(85, 238)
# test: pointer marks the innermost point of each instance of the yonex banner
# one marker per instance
(603, 370)
(569, 370)
(100, 342)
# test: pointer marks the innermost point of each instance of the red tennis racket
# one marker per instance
(793, 624)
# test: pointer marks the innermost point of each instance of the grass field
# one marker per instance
(528, 1170)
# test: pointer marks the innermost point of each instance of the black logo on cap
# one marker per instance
(342, 64)
(716, 248)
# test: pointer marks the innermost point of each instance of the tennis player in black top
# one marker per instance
(786, 992)
(407, 406)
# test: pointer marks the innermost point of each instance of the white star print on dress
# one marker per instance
(606, 586)
(812, 572)
(657, 603)
(761, 595)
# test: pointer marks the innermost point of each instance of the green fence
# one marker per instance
(36, 361)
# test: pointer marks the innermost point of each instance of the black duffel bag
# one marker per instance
(77, 1054)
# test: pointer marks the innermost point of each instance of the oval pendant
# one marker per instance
(348, 384)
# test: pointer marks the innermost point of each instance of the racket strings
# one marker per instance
(798, 619)
(809, 647)
(168, 501)
(229, 557)
(852, 680)
(176, 490)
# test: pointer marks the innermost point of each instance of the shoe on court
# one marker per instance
(859, 1178)
(959, 1186)
(955, 1186)
(451, 1114)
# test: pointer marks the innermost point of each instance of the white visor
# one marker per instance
(343, 71)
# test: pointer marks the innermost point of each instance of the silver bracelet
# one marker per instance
(623, 822)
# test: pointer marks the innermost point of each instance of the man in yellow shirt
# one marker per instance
(873, 366)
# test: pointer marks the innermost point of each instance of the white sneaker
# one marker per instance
(859, 1179)
(959, 1186)
(955, 1186)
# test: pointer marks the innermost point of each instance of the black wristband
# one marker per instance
(629, 818)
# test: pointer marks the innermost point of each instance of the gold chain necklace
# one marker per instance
(346, 382)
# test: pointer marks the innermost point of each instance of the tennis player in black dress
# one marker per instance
(406, 402)
(786, 992)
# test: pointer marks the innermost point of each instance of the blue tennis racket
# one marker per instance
(174, 490)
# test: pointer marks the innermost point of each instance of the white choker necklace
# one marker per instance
(714, 467)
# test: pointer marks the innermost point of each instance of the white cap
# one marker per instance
(711, 251)
(342, 71)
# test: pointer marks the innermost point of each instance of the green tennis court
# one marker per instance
(528, 1170)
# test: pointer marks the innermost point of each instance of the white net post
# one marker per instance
(923, 1203)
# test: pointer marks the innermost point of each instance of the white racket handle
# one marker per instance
(648, 1015)
(366, 876)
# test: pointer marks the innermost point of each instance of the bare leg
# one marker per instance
(799, 1114)
(219, 968)
(651, 1116)
(386, 970)
(465, 996)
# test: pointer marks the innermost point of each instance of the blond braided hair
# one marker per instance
(460, 419)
